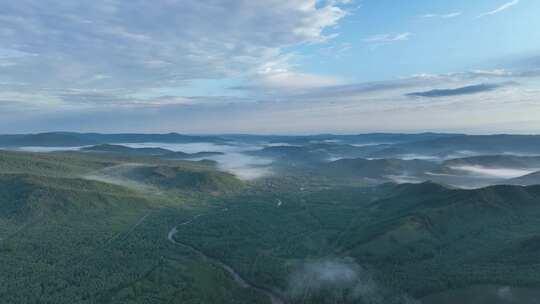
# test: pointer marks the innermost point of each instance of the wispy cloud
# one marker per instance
(443, 16)
(466, 90)
(500, 8)
(388, 38)
(163, 43)
(352, 108)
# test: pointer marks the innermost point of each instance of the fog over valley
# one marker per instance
(269, 152)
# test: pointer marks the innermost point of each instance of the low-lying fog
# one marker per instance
(48, 149)
(502, 173)
(237, 161)
(117, 175)
(234, 160)
(405, 179)
(340, 280)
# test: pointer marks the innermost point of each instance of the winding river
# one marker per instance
(275, 297)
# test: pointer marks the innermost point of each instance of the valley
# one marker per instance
(116, 224)
(269, 152)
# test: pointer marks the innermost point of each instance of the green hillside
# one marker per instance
(497, 161)
(376, 169)
(412, 239)
(72, 240)
(183, 179)
(79, 227)
(50, 164)
(107, 148)
(148, 151)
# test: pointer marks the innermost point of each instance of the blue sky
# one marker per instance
(272, 66)
(436, 44)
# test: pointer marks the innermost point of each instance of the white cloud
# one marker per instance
(141, 44)
(281, 76)
(288, 80)
(443, 16)
(387, 38)
(503, 173)
(352, 108)
(492, 73)
(296, 107)
(500, 8)
(101, 77)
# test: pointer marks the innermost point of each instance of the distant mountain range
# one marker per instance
(465, 145)
(526, 180)
(375, 169)
(459, 160)
(70, 139)
(375, 145)
(496, 161)
(358, 139)
(160, 152)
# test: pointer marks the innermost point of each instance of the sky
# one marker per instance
(270, 66)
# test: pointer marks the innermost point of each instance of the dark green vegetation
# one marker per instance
(485, 294)
(50, 164)
(72, 240)
(179, 178)
(319, 152)
(413, 239)
(115, 224)
(496, 161)
(375, 169)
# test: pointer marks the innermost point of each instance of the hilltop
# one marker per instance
(148, 151)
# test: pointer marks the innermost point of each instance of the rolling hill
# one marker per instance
(70, 219)
(71, 139)
(379, 169)
(61, 235)
(179, 178)
(466, 145)
(496, 161)
(148, 151)
(411, 240)
(526, 180)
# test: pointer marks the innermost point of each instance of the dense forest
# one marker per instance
(114, 228)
